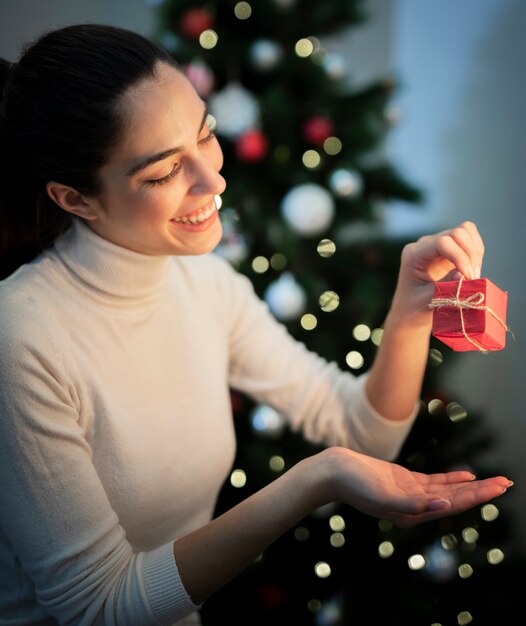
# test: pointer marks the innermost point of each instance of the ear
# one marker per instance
(72, 200)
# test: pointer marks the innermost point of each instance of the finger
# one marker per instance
(479, 243)
(468, 239)
(448, 478)
(448, 248)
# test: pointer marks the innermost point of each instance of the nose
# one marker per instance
(206, 179)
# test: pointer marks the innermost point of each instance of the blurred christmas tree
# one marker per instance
(307, 185)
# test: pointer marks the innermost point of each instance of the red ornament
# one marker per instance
(317, 129)
(251, 146)
(470, 315)
(195, 21)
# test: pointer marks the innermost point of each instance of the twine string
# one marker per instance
(475, 301)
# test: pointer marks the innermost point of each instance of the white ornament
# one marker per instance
(308, 209)
(346, 183)
(235, 109)
(267, 422)
(265, 54)
(286, 298)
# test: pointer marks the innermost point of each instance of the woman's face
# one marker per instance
(160, 183)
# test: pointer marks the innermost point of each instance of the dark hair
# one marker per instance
(59, 118)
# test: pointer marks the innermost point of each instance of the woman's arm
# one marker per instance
(396, 375)
(214, 554)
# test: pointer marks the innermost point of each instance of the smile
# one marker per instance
(198, 216)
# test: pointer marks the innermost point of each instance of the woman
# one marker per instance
(122, 336)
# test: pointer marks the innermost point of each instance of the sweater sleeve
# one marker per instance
(57, 524)
(328, 405)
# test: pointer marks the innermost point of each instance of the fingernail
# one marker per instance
(471, 272)
(436, 505)
(510, 483)
(478, 271)
(473, 477)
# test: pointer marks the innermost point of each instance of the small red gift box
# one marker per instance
(470, 315)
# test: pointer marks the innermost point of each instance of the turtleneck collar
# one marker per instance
(108, 270)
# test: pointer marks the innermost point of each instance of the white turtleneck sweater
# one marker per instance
(116, 430)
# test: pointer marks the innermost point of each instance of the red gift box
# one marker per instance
(470, 315)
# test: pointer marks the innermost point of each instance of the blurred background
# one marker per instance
(437, 92)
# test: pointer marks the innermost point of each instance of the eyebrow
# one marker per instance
(160, 156)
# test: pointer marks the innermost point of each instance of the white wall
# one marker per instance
(463, 138)
(23, 20)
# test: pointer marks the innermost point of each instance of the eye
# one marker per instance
(164, 179)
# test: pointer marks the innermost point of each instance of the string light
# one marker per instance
(415, 562)
(311, 159)
(308, 321)
(361, 332)
(329, 301)
(242, 10)
(456, 412)
(337, 523)
(489, 512)
(326, 248)
(464, 617)
(332, 146)
(260, 264)
(376, 336)
(238, 478)
(208, 39)
(277, 463)
(337, 540)
(354, 360)
(386, 549)
(304, 47)
(494, 556)
(465, 570)
(278, 261)
(322, 569)
(301, 533)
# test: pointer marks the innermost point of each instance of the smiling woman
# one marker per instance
(121, 336)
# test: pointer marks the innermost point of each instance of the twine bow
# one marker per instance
(475, 301)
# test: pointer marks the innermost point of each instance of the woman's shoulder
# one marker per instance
(23, 297)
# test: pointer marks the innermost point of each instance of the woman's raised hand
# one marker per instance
(446, 255)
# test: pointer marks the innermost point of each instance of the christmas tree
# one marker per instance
(307, 186)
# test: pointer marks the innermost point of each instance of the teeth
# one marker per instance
(196, 218)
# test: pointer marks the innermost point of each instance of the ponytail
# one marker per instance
(59, 120)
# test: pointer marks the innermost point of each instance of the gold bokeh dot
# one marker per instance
(470, 535)
(376, 336)
(464, 617)
(354, 360)
(465, 570)
(337, 523)
(311, 158)
(308, 321)
(304, 47)
(260, 264)
(238, 478)
(278, 261)
(329, 301)
(456, 412)
(449, 541)
(361, 332)
(301, 533)
(242, 10)
(326, 248)
(435, 406)
(416, 561)
(495, 556)
(337, 540)
(211, 122)
(435, 358)
(489, 512)
(208, 39)
(386, 549)
(322, 569)
(277, 463)
(385, 525)
(314, 605)
(332, 146)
